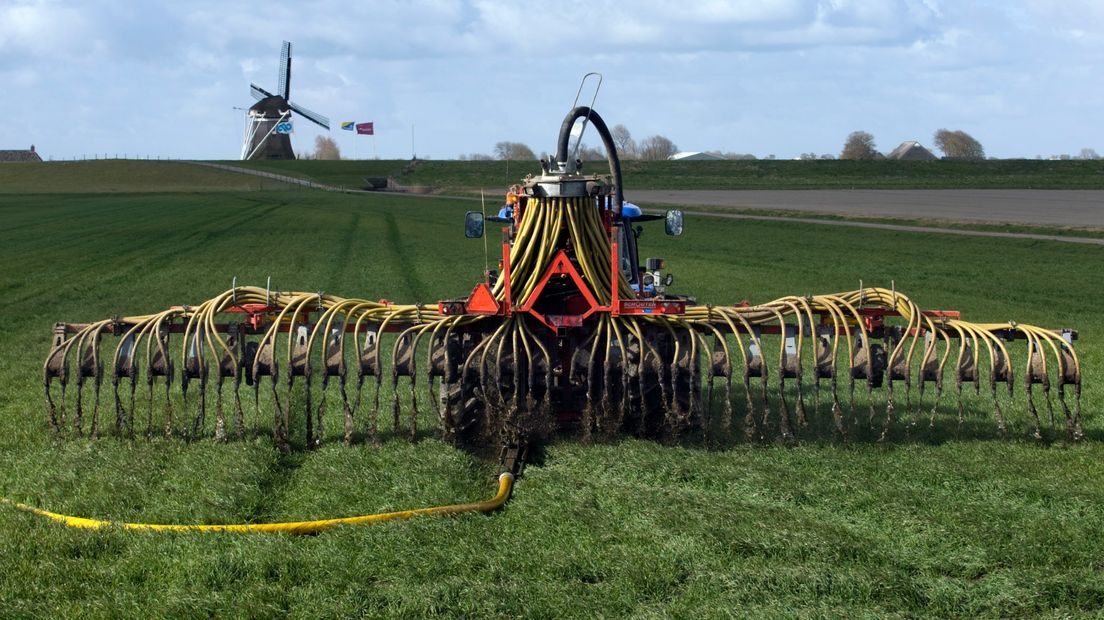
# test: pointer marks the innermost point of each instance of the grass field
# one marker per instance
(734, 174)
(122, 176)
(945, 523)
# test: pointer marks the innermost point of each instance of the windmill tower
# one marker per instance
(268, 126)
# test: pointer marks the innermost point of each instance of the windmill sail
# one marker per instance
(309, 115)
(258, 92)
(283, 81)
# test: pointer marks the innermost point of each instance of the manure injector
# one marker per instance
(574, 334)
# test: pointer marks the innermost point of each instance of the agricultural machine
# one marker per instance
(573, 334)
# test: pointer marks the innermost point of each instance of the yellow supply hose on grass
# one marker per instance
(505, 485)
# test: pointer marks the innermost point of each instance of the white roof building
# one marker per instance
(694, 156)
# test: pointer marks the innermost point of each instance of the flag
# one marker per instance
(284, 127)
(347, 125)
(365, 129)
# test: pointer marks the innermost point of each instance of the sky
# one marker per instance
(441, 79)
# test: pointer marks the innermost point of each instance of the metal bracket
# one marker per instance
(513, 457)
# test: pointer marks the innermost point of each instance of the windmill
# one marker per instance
(269, 120)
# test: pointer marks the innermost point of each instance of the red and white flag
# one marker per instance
(365, 129)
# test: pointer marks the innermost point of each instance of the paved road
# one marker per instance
(1078, 208)
(1082, 208)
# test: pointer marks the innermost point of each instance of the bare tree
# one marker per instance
(655, 148)
(958, 145)
(326, 148)
(623, 140)
(513, 150)
(859, 145)
(590, 153)
(1087, 153)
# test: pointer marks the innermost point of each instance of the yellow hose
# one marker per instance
(505, 485)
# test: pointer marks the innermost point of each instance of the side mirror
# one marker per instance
(473, 224)
(672, 224)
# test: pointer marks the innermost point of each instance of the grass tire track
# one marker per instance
(117, 274)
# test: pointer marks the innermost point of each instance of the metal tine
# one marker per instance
(672, 378)
(422, 329)
(590, 347)
(749, 415)
(443, 355)
(896, 369)
(401, 362)
(611, 359)
(805, 326)
(377, 356)
(437, 356)
(333, 357)
(1070, 373)
(490, 379)
(966, 369)
(229, 364)
(57, 366)
(195, 367)
(757, 364)
(824, 340)
(299, 365)
(626, 346)
(840, 332)
(368, 366)
(1036, 373)
(265, 364)
(514, 412)
(334, 366)
(404, 363)
(720, 362)
(826, 344)
(124, 366)
(930, 369)
(472, 363)
(1000, 370)
(684, 361)
(660, 370)
(491, 409)
(1050, 339)
(694, 364)
(863, 366)
(90, 367)
(1045, 376)
(643, 364)
(938, 371)
(790, 366)
(159, 363)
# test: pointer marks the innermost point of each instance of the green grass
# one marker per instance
(943, 523)
(735, 174)
(124, 176)
(1065, 231)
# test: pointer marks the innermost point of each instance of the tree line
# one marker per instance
(859, 145)
(652, 148)
(953, 144)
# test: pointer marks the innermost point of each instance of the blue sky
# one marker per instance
(765, 77)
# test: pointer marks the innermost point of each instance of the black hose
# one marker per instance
(607, 141)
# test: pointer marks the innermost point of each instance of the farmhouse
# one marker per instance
(695, 156)
(14, 156)
(911, 150)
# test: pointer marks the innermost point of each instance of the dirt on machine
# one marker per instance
(574, 333)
